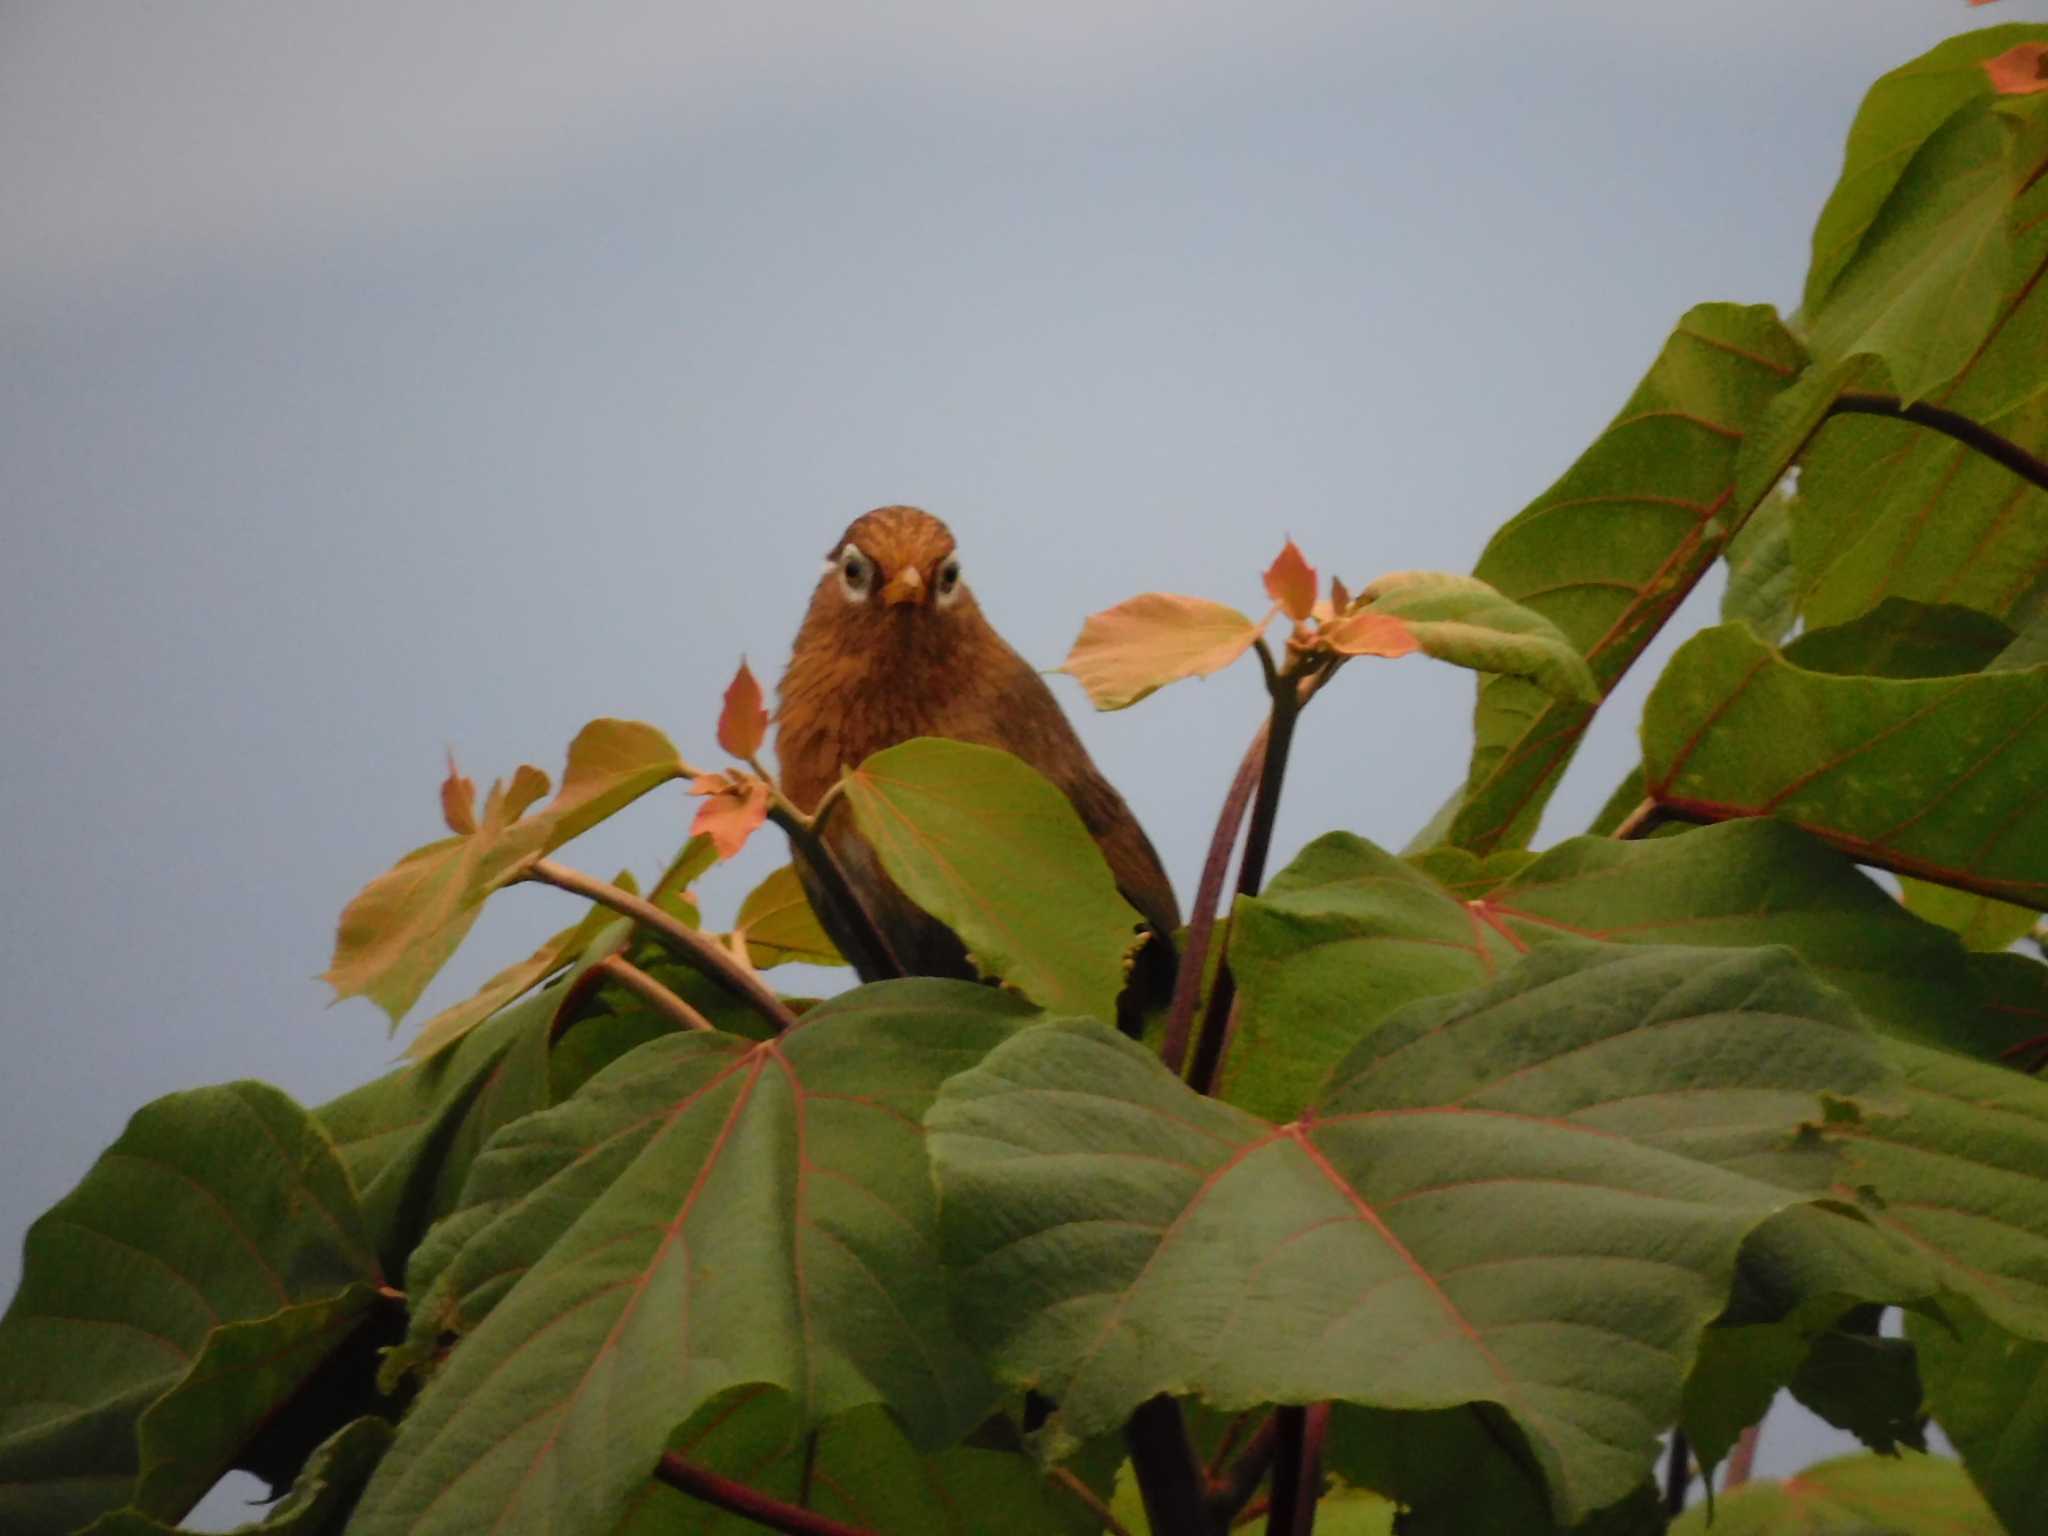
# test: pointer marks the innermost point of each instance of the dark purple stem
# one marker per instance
(1297, 1469)
(1169, 1473)
(1194, 955)
(749, 1503)
(2001, 450)
(1251, 873)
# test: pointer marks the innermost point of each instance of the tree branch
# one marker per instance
(696, 951)
(1677, 1474)
(1194, 955)
(1640, 822)
(1169, 1473)
(748, 1503)
(1972, 434)
(664, 1002)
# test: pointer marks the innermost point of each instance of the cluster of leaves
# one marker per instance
(1489, 1167)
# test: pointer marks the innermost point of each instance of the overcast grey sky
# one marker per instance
(381, 379)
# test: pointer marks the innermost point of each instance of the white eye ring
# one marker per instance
(948, 590)
(856, 573)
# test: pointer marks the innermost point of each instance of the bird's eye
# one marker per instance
(949, 581)
(855, 572)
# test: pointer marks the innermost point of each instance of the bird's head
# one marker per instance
(894, 567)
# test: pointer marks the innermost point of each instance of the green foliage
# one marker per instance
(1928, 776)
(1500, 1162)
(987, 843)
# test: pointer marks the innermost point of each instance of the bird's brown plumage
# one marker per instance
(906, 652)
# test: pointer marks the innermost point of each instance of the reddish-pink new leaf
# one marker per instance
(735, 805)
(1291, 582)
(1371, 634)
(743, 723)
(2020, 70)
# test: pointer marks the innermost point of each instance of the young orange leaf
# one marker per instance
(458, 800)
(1291, 582)
(1148, 641)
(1340, 595)
(743, 723)
(735, 805)
(2019, 71)
(1371, 634)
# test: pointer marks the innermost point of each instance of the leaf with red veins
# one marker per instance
(743, 723)
(735, 806)
(704, 1213)
(1291, 582)
(1487, 1189)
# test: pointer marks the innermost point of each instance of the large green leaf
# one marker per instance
(988, 845)
(1910, 1495)
(247, 1375)
(1936, 777)
(704, 1213)
(318, 1503)
(1347, 933)
(1496, 1190)
(1613, 547)
(1888, 508)
(1462, 620)
(410, 1136)
(861, 1471)
(1932, 268)
(1898, 115)
(1337, 940)
(1902, 638)
(1962, 1176)
(217, 1207)
(1988, 1390)
(1763, 587)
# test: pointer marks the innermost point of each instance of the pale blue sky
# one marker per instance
(376, 380)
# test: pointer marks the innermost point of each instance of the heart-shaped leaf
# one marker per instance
(1494, 1190)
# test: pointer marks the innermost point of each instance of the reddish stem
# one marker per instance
(1194, 955)
(1229, 1494)
(749, 1503)
(1741, 1459)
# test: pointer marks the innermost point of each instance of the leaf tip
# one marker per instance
(1291, 582)
(743, 721)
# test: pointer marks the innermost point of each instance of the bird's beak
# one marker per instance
(906, 586)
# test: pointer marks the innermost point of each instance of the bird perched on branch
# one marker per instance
(894, 646)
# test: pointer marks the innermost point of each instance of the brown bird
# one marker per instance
(894, 646)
